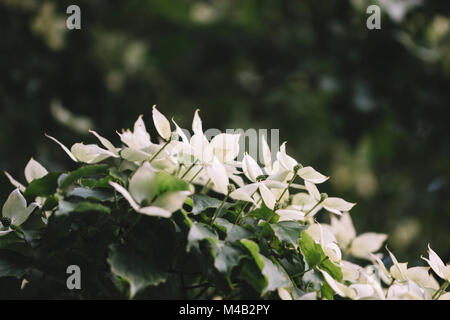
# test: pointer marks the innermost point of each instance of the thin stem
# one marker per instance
(205, 189)
(177, 172)
(220, 208)
(159, 151)
(315, 206)
(189, 169)
(441, 290)
(201, 292)
(288, 186)
(195, 176)
(115, 199)
(244, 206)
(301, 273)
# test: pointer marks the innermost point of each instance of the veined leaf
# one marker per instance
(203, 202)
(253, 248)
(312, 251)
(12, 264)
(135, 267)
(288, 231)
(234, 232)
(84, 171)
(198, 232)
(167, 182)
(226, 257)
(43, 187)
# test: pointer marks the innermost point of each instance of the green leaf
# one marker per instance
(96, 183)
(203, 202)
(327, 291)
(251, 273)
(275, 275)
(85, 171)
(314, 279)
(167, 183)
(133, 266)
(12, 264)
(198, 232)
(226, 257)
(264, 213)
(253, 248)
(118, 175)
(288, 231)
(332, 269)
(87, 193)
(50, 203)
(312, 251)
(43, 187)
(234, 232)
(66, 207)
(89, 206)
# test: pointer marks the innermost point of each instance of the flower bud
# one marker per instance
(6, 222)
(231, 188)
(277, 206)
(323, 196)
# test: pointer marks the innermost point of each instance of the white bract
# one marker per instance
(16, 211)
(89, 153)
(142, 191)
(33, 170)
(358, 246)
(438, 266)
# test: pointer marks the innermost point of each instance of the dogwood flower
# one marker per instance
(142, 191)
(442, 270)
(253, 172)
(306, 173)
(15, 211)
(407, 291)
(324, 236)
(358, 246)
(33, 170)
(400, 273)
(90, 153)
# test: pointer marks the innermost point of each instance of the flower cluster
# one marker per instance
(268, 212)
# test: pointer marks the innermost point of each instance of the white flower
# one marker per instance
(284, 294)
(33, 170)
(408, 290)
(142, 189)
(306, 173)
(324, 236)
(90, 153)
(442, 270)
(15, 210)
(162, 125)
(252, 171)
(359, 246)
(337, 205)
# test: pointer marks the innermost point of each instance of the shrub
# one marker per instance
(183, 219)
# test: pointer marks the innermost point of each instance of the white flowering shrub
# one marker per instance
(184, 219)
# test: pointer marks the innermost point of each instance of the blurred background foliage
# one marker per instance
(366, 107)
